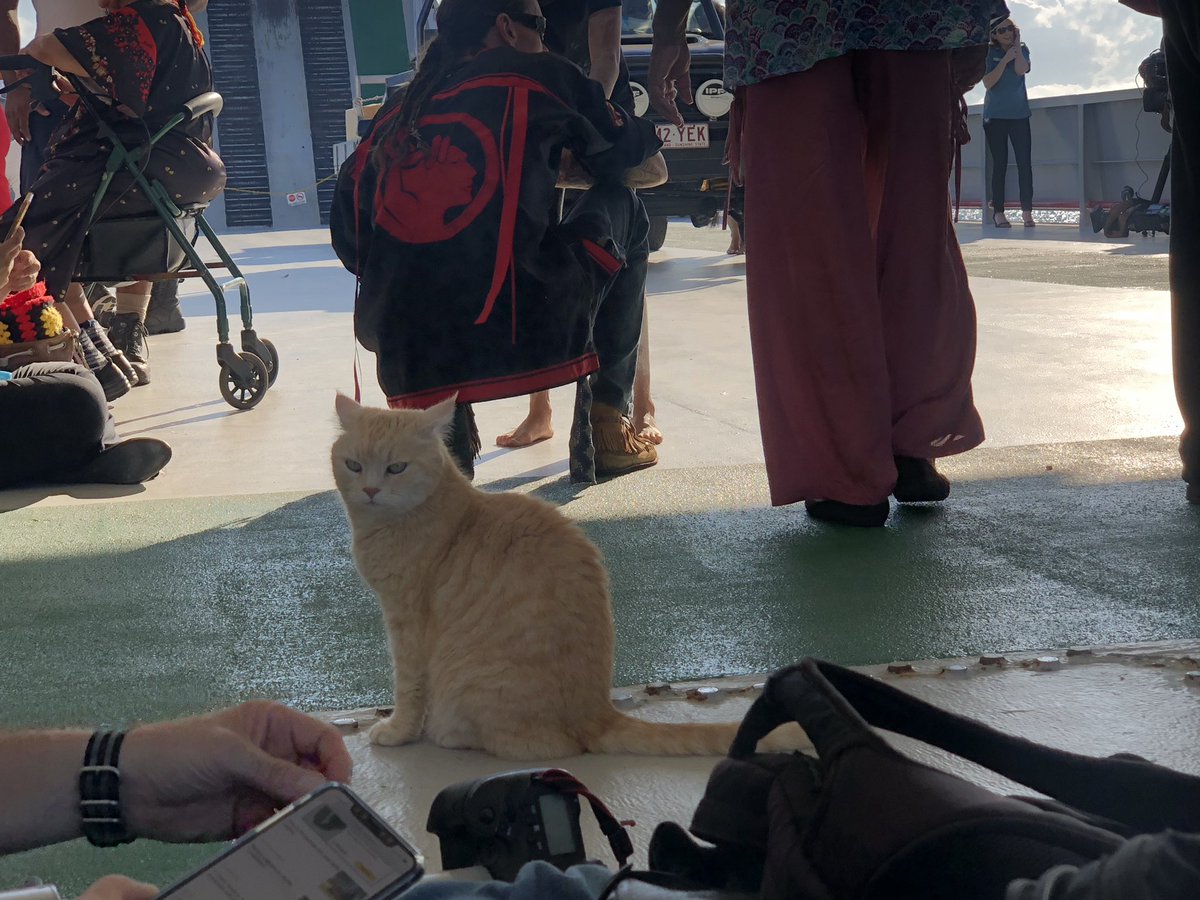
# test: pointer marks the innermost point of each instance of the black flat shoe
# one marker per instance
(835, 513)
(131, 461)
(919, 481)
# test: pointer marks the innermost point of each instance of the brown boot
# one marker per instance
(618, 448)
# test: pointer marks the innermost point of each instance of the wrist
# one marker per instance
(102, 818)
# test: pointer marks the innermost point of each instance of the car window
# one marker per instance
(637, 16)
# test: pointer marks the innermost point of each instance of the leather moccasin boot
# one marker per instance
(618, 447)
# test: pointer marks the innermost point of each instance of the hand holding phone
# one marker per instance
(231, 770)
(327, 846)
(13, 241)
(21, 211)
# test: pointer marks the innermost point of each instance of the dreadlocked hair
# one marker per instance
(191, 22)
(462, 26)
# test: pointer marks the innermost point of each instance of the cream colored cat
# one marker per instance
(496, 605)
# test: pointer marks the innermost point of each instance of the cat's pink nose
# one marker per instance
(371, 492)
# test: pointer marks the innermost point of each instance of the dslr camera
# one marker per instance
(504, 821)
(1156, 95)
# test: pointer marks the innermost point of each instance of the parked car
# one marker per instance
(698, 177)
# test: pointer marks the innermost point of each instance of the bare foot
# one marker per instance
(647, 428)
(535, 429)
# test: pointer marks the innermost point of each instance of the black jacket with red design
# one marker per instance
(465, 283)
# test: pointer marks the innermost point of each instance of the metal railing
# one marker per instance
(1086, 149)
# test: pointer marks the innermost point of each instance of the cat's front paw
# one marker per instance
(393, 731)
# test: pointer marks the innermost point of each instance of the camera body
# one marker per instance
(1156, 94)
(504, 821)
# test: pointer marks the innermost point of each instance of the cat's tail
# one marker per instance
(627, 734)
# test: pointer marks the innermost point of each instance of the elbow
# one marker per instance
(38, 48)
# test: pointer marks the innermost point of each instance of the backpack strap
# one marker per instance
(835, 705)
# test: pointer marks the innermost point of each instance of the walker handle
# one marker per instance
(40, 78)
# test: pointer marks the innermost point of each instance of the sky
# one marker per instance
(1078, 46)
(1074, 45)
(25, 11)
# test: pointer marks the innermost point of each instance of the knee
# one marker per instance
(78, 402)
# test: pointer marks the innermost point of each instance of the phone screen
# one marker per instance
(329, 846)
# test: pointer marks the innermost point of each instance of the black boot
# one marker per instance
(464, 443)
(919, 481)
(872, 515)
(113, 380)
(128, 335)
(164, 315)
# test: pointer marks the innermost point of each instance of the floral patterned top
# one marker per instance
(768, 38)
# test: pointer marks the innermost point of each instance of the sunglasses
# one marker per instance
(1004, 29)
(529, 20)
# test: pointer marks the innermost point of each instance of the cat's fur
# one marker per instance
(496, 605)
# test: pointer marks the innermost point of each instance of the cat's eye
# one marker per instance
(396, 468)
(353, 466)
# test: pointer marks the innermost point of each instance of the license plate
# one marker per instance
(692, 136)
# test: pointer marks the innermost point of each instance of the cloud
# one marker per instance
(1104, 24)
(1083, 46)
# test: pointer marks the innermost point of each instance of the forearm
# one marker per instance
(40, 785)
(991, 78)
(670, 18)
(604, 47)
(10, 39)
(1021, 64)
(606, 66)
(50, 50)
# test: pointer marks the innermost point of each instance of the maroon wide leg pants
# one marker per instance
(861, 321)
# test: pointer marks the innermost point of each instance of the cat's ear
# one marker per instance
(440, 418)
(347, 410)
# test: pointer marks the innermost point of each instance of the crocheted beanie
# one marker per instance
(29, 316)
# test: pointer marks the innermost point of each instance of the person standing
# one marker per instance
(588, 33)
(1181, 41)
(420, 212)
(1006, 117)
(862, 325)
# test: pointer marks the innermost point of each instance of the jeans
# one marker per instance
(617, 212)
(999, 132)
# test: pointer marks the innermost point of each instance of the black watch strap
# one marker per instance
(100, 791)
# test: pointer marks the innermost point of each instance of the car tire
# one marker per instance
(658, 232)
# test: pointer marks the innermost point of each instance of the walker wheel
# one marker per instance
(273, 362)
(245, 394)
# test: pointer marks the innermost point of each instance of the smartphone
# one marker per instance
(327, 846)
(21, 211)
